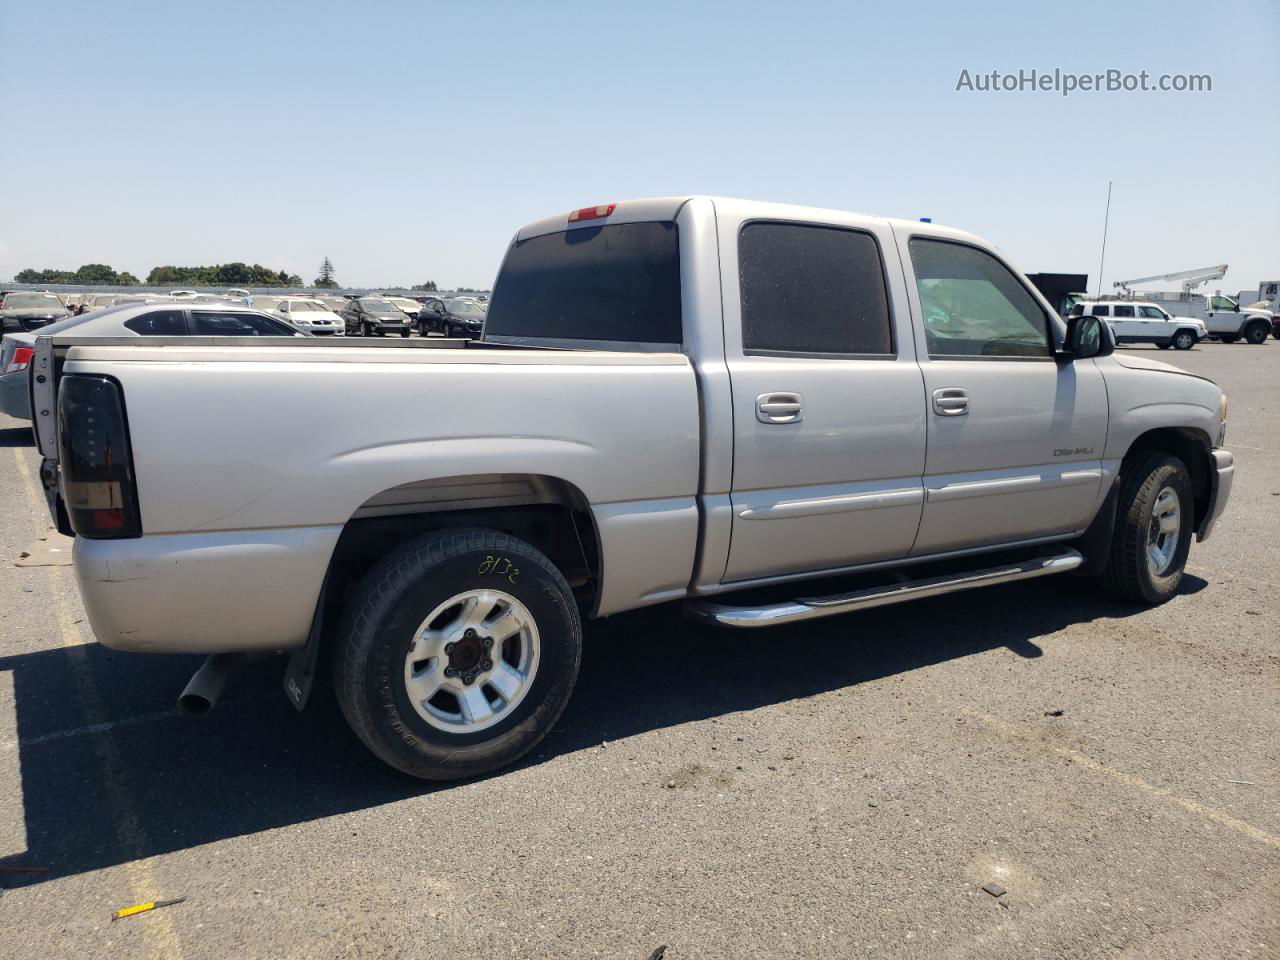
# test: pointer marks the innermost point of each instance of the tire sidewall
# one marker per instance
(400, 735)
(1173, 475)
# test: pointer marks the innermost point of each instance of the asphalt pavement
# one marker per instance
(844, 788)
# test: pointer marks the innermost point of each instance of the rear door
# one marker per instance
(1126, 324)
(1014, 439)
(828, 404)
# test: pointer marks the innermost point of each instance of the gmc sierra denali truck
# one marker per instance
(673, 400)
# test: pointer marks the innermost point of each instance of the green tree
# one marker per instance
(126, 279)
(293, 281)
(429, 286)
(326, 278)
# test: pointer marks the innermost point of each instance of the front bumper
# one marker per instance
(1222, 470)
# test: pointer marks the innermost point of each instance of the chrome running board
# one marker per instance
(809, 608)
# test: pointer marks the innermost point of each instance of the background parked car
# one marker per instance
(367, 316)
(29, 311)
(1135, 322)
(129, 320)
(453, 317)
(411, 308)
(310, 316)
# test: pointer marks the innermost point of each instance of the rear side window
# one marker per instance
(1101, 311)
(212, 324)
(973, 305)
(1124, 311)
(617, 283)
(812, 290)
(159, 323)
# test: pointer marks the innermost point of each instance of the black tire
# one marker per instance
(1257, 332)
(1162, 344)
(378, 628)
(404, 333)
(1184, 340)
(1127, 574)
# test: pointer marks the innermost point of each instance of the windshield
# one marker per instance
(465, 308)
(381, 308)
(309, 306)
(617, 283)
(32, 301)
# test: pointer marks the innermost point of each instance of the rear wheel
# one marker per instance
(1184, 340)
(458, 653)
(1153, 530)
(1257, 332)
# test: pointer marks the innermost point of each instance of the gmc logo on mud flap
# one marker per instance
(1073, 451)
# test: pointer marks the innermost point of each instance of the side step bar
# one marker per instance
(809, 608)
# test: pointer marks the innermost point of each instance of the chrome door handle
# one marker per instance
(779, 408)
(950, 402)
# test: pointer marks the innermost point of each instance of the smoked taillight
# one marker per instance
(96, 462)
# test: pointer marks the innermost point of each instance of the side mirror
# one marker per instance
(1086, 337)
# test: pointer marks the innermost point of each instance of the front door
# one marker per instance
(1014, 439)
(828, 404)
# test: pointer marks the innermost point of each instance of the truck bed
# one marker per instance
(250, 459)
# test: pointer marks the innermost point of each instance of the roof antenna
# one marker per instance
(1106, 221)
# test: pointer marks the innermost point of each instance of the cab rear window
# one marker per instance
(617, 283)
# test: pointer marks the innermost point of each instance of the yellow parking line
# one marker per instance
(1130, 780)
(158, 929)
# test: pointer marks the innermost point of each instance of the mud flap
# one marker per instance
(1096, 542)
(300, 675)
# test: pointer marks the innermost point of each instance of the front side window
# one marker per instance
(618, 283)
(812, 289)
(1124, 310)
(159, 323)
(1077, 310)
(1151, 313)
(973, 305)
(1101, 311)
(1223, 303)
(208, 323)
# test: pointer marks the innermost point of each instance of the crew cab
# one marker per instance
(675, 400)
(1133, 322)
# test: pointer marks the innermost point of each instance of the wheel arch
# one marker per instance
(548, 512)
(1188, 444)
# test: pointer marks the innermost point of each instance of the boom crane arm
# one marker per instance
(1190, 278)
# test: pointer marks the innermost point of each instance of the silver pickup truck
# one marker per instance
(673, 400)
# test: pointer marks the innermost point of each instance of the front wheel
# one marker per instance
(458, 653)
(1184, 340)
(1153, 530)
(404, 333)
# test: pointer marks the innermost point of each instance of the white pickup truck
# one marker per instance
(673, 400)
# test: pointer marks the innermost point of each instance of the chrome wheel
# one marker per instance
(1162, 538)
(472, 661)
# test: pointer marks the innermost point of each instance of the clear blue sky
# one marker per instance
(407, 141)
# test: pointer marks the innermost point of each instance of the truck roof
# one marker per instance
(666, 208)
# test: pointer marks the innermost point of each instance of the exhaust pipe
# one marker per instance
(205, 686)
